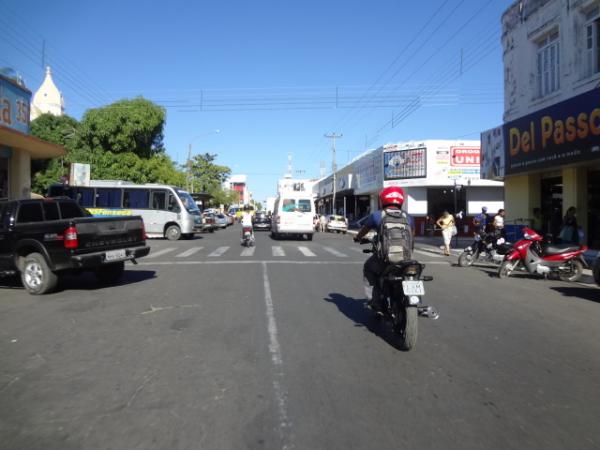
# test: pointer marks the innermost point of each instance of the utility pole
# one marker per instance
(333, 137)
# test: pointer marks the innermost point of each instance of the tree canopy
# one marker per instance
(206, 175)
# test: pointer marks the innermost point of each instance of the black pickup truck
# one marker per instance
(42, 239)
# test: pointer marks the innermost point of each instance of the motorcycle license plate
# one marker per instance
(413, 288)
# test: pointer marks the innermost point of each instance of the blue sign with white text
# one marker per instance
(14, 105)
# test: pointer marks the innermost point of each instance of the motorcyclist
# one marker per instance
(247, 223)
(389, 198)
(481, 220)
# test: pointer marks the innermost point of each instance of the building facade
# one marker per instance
(548, 148)
(436, 175)
(17, 148)
(47, 99)
(239, 184)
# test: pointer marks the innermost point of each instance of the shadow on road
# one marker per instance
(85, 282)
(355, 310)
(591, 294)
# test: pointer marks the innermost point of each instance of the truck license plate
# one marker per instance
(413, 288)
(115, 255)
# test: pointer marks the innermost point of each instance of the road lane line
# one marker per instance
(277, 360)
(247, 261)
(277, 251)
(160, 252)
(306, 251)
(334, 252)
(248, 251)
(218, 252)
(189, 252)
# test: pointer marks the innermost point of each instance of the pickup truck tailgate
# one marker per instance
(109, 233)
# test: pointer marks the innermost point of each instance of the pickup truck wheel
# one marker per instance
(36, 276)
(173, 233)
(110, 273)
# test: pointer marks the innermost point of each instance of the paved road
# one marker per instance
(205, 345)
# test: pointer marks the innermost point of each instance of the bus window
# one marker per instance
(159, 200)
(108, 198)
(135, 198)
(85, 197)
(173, 205)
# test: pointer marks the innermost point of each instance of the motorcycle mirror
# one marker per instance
(427, 278)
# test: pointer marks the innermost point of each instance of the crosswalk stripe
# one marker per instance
(277, 251)
(160, 252)
(334, 252)
(306, 251)
(432, 254)
(189, 252)
(218, 252)
(356, 249)
(248, 251)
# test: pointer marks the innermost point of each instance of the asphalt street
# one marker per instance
(208, 345)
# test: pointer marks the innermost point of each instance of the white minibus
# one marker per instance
(293, 216)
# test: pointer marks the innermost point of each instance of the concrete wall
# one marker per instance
(527, 23)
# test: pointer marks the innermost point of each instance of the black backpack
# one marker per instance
(395, 236)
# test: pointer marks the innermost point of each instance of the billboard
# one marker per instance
(492, 154)
(405, 164)
(564, 133)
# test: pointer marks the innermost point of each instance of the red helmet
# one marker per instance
(391, 196)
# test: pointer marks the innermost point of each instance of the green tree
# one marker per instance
(61, 130)
(125, 126)
(206, 176)
(225, 197)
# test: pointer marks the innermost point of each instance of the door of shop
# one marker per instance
(442, 199)
(552, 203)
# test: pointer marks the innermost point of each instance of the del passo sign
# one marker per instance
(564, 133)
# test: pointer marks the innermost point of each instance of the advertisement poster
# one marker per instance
(14, 105)
(403, 164)
(464, 163)
(79, 175)
(492, 154)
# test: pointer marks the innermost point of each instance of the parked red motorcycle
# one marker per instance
(529, 255)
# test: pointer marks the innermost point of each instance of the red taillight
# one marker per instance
(70, 240)
(144, 235)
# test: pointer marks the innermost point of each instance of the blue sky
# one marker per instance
(272, 76)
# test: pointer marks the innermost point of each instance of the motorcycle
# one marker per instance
(247, 237)
(401, 289)
(596, 270)
(486, 247)
(529, 255)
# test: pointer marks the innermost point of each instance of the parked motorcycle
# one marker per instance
(401, 290)
(529, 255)
(486, 247)
(596, 270)
(247, 237)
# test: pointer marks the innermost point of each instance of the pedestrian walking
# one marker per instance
(448, 225)
(322, 222)
(569, 233)
(498, 223)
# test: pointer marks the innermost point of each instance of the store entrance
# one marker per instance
(3, 178)
(552, 203)
(593, 231)
(442, 199)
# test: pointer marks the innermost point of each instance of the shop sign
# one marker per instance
(14, 105)
(464, 163)
(492, 154)
(403, 164)
(564, 133)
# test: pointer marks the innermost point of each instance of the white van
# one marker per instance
(293, 215)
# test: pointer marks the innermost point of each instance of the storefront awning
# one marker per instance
(37, 148)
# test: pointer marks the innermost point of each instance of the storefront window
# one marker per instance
(3, 178)
(552, 205)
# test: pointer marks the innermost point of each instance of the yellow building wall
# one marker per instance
(575, 193)
(521, 194)
(20, 174)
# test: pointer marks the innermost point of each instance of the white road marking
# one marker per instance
(189, 252)
(218, 252)
(248, 251)
(334, 252)
(306, 251)
(356, 249)
(160, 252)
(272, 261)
(277, 360)
(426, 253)
(277, 251)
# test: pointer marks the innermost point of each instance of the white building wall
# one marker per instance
(416, 203)
(525, 26)
(479, 197)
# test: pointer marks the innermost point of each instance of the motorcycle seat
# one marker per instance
(561, 248)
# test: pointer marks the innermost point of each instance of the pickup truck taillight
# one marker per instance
(70, 240)
(144, 235)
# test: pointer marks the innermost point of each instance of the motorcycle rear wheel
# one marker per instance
(405, 325)
(466, 259)
(574, 274)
